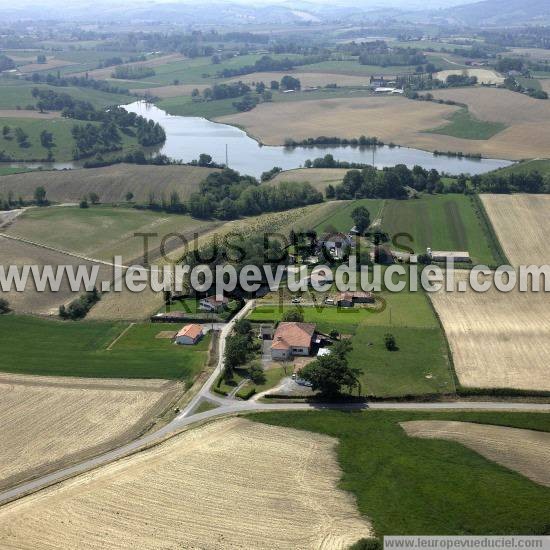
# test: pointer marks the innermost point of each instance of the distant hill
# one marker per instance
(500, 12)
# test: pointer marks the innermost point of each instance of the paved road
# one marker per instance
(231, 406)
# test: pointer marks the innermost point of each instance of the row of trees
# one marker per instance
(79, 308)
(268, 64)
(77, 81)
(132, 72)
(361, 141)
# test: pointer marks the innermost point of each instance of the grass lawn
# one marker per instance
(409, 486)
(9, 170)
(55, 348)
(19, 93)
(529, 83)
(272, 378)
(464, 125)
(441, 222)
(61, 130)
(353, 67)
(185, 106)
(205, 406)
(341, 219)
(420, 366)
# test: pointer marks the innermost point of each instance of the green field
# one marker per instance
(341, 219)
(529, 83)
(55, 348)
(100, 232)
(353, 67)
(14, 93)
(61, 130)
(410, 486)
(538, 165)
(8, 170)
(441, 222)
(465, 126)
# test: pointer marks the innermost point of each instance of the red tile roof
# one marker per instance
(192, 331)
(290, 334)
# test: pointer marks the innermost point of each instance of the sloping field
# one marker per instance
(23, 113)
(524, 451)
(111, 183)
(317, 177)
(103, 232)
(509, 213)
(388, 118)
(484, 76)
(47, 423)
(307, 79)
(31, 301)
(497, 339)
(527, 135)
(406, 123)
(193, 492)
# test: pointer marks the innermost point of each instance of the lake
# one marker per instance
(188, 137)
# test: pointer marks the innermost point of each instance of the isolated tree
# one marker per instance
(293, 315)
(236, 350)
(290, 83)
(4, 306)
(129, 196)
(40, 196)
(5, 132)
(257, 373)
(46, 139)
(260, 87)
(243, 326)
(22, 137)
(195, 92)
(361, 219)
(274, 85)
(330, 374)
(84, 204)
(204, 159)
(94, 198)
(330, 193)
(389, 342)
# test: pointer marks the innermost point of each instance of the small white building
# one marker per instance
(336, 244)
(189, 335)
(453, 255)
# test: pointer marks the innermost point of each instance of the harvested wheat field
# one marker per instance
(484, 76)
(389, 118)
(19, 254)
(498, 340)
(172, 90)
(50, 422)
(524, 451)
(317, 177)
(508, 213)
(527, 135)
(111, 183)
(193, 492)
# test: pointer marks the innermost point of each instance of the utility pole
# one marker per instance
(226, 157)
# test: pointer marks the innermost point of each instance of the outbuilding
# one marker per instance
(189, 335)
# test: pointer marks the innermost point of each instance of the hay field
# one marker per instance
(103, 232)
(307, 79)
(173, 90)
(49, 422)
(106, 72)
(388, 118)
(508, 213)
(317, 177)
(527, 135)
(484, 76)
(524, 451)
(193, 492)
(31, 301)
(111, 183)
(498, 340)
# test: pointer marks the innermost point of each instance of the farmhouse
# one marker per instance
(349, 299)
(213, 303)
(444, 255)
(292, 339)
(336, 244)
(189, 335)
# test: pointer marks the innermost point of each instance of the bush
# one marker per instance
(79, 308)
(246, 393)
(293, 315)
(389, 342)
(4, 306)
(219, 392)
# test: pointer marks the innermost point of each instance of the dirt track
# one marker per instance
(508, 213)
(230, 484)
(48, 422)
(524, 451)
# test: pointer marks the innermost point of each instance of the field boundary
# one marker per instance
(489, 230)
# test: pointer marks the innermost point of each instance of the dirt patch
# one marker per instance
(317, 177)
(166, 334)
(524, 451)
(193, 491)
(48, 423)
(497, 339)
(530, 245)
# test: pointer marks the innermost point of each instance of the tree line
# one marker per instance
(268, 64)
(77, 81)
